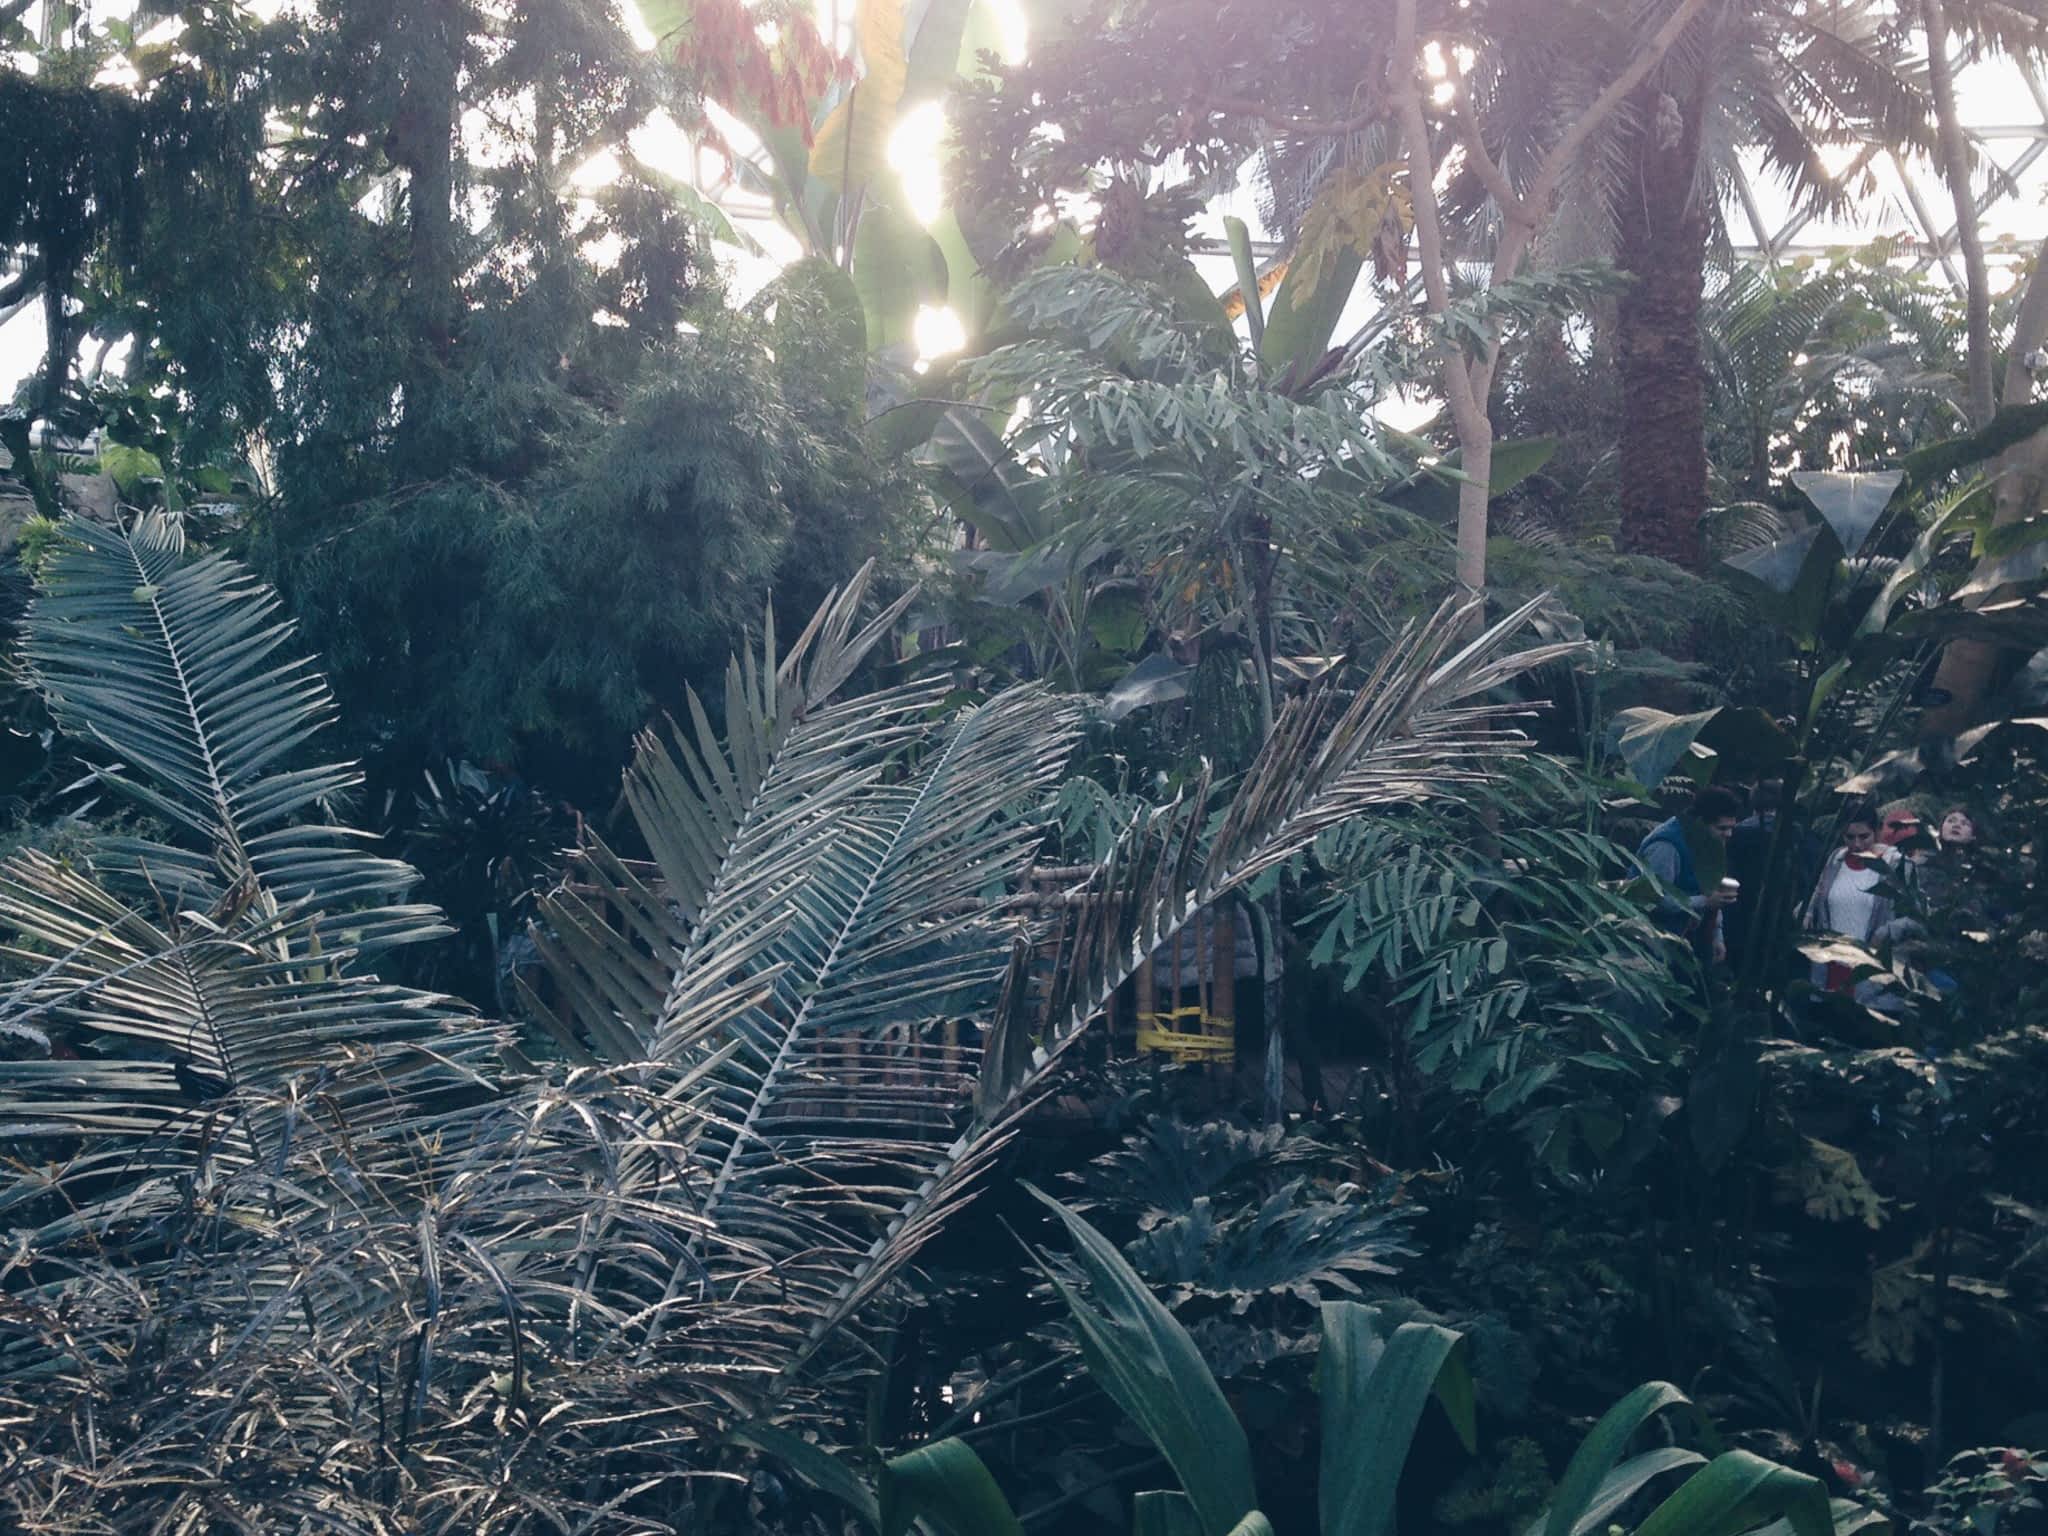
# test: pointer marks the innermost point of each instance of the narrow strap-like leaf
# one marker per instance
(1601, 1450)
(1375, 1384)
(1140, 1355)
(946, 1485)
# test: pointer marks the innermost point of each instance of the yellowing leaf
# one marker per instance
(852, 144)
(1829, 1182)
(1354, 210)
(663, 18)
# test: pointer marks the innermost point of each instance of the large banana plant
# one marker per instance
(827, 957)
(823, 160)
(180, 980)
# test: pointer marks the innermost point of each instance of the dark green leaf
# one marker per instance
(1433, 493)
(1164, 1514)
(897, 266)
(1298, 331)
(1651, 742)
(1737, 1492)
(2014, 424)
(1247, 280)
(1852, 504)
(1155, 680)
(817, 1467)
(1598, 1453)
(1142, 1357)
(947, 1486)
(1374, 1387)
(1791, 578)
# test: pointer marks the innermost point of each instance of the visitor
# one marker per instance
(1952, 900)
(1899, 826)
(1688, 855)
(1957, 827)
(1855, 896)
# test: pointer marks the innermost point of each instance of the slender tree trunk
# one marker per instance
(423, 142)
(57, 341)
(1663, 377)
(1955, 170)
(1475, 446)
(1468, 375)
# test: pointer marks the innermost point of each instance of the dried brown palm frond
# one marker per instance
(441, 1354)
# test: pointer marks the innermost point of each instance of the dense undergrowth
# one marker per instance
(474, 1058)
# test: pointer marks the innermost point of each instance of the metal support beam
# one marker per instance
(1928, 227)
(1747, 196)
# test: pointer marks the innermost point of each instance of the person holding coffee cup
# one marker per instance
(1687, 854)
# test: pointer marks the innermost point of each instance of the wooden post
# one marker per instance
(1148, 992)
(1223, 966)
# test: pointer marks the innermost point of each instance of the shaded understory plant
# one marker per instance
(296, 1245)
(1374, 1382)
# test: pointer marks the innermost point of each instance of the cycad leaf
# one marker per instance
(1418, 724)
(859, 900)
(188, 1037)
(175, 667)
(689, 796)
(829, 949)
(840, 984)
(195, 982)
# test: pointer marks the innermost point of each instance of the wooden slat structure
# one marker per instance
(1176, 1006)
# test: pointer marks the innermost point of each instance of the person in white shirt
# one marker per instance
(1854, 895)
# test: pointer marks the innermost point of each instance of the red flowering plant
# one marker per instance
(1996, 1490)
(767, 64)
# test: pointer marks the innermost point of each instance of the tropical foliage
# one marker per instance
(635, 899)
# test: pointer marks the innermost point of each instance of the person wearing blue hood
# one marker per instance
(1689, 854)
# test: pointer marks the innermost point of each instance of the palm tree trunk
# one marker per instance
(1955, 170)
(1663, 248)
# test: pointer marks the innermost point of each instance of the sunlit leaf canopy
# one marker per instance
(714, 170)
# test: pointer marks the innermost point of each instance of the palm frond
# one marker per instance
(198, 986)
(858, 1013)
(690, 797)
(1419, 724)
(173, 666)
